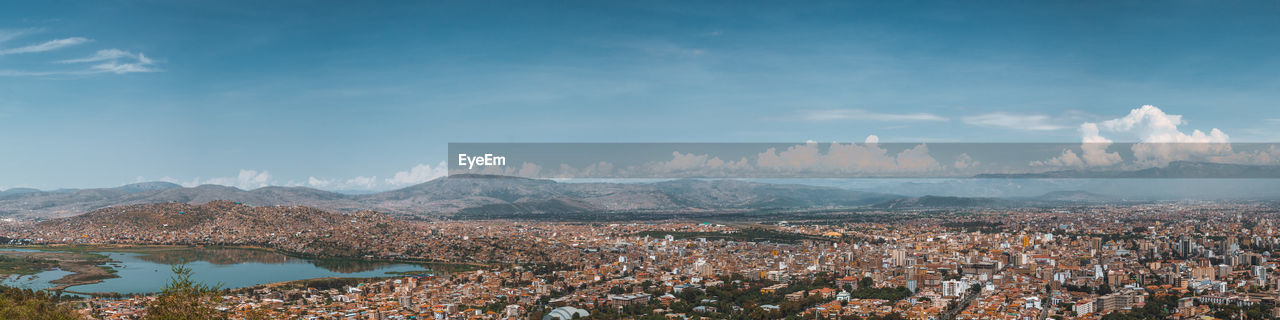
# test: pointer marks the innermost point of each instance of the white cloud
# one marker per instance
(247, 180)
(105, 61)
(357, 183)
(102, 55)
(1094, 151)
(10, 34)
(116, 61)
(1095, 146)
(1159, 141)
(122, 68)
(46, 46)
(1034, 122)
(965, 161)
(20, 73)
(859, 114)
(867, 158)
(1068, 158)
(418, 174)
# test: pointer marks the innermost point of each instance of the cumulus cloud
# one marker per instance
(418, 174)
(1068, 158)
(1158, 141)
(246, 179)
(868, 158)
(1095, 146)
(864, 115)
(964, 161)
(1031, 122)
(357, 183)
(1270, 155)
(45, 46)
(694, 164)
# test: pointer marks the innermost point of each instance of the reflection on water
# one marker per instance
(350, 266)
(148, 270)
(37, 281)
(229, 256)
(211, 255)
(147, 273)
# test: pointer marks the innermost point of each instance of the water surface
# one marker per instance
(147, 270)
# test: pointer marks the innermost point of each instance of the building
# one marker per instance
(773, 288)
(1118, 301)
(954, 288)
(1083, 307)
(565, 313)
(621, 300)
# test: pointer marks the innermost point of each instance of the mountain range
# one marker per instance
(1174, 170)
(460, 194)
(501, 196)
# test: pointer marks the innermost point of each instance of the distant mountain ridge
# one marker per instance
(1056, 198)
(461, 194)
(1175, 170)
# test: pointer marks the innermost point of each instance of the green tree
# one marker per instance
(865, 282)
(184, 299)
(18, 303)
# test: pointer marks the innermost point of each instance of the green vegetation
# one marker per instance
(184, 299)
(29, 304)
(24, 265)
(866, 290)
(1159, 307)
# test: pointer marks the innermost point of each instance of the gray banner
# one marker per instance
(866, 160)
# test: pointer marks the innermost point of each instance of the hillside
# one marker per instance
(309, 230)
(449, 196)
(937, 202)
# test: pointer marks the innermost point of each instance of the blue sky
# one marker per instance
(345, 95)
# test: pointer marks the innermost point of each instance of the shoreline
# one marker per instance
(83, 266)
(86, 265)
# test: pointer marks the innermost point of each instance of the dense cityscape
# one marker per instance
(1170, 260)
(639, 160)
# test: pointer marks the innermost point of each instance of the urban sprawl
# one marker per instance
(1175, 260)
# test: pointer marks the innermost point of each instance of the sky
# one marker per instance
(366, 96)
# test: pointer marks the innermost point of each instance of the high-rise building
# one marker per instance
(954, 288)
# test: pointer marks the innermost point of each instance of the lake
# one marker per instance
(147, 270)
(39, 281)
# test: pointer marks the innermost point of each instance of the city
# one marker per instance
(639, 160)
(1174, 260)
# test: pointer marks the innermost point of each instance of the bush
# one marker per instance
(184, 299)
(18, 303)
